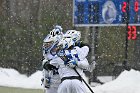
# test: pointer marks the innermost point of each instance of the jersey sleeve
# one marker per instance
(86, 66)
(83, 63)
(82, 52)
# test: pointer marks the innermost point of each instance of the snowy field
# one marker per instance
(127, 82)
(12, 78)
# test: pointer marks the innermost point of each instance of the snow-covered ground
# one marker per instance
(127, 82)
(12, 78)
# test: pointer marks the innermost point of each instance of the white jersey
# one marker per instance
(82, 54)
(73, 85)
(66, 71)
(55, 78)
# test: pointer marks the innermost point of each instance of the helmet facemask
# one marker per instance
(52, 39)
(54, 49)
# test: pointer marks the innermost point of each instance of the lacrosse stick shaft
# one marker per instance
(83, 81)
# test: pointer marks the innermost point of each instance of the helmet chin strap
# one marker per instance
(47, 50)
(66, 47)
(52, 53)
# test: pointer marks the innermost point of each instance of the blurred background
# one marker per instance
(25, 23)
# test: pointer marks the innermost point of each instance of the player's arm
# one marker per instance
(80, 59)
(87, 67)
(82, 52)
(82, 64)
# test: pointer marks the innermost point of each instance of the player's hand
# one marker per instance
(61, 53)
(47, 82)
(72, 63)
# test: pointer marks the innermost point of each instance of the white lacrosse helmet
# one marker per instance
(75, 35)
(48, 38)
(53, 38)
(48, 43)
(55, 35)
(56, 31)
(65, 43)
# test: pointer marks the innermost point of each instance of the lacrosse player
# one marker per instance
(51, 79)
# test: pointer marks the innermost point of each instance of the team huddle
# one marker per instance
(64, 62)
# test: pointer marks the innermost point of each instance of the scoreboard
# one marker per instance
(106, 12)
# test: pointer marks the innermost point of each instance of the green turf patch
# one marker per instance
(19, 90)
